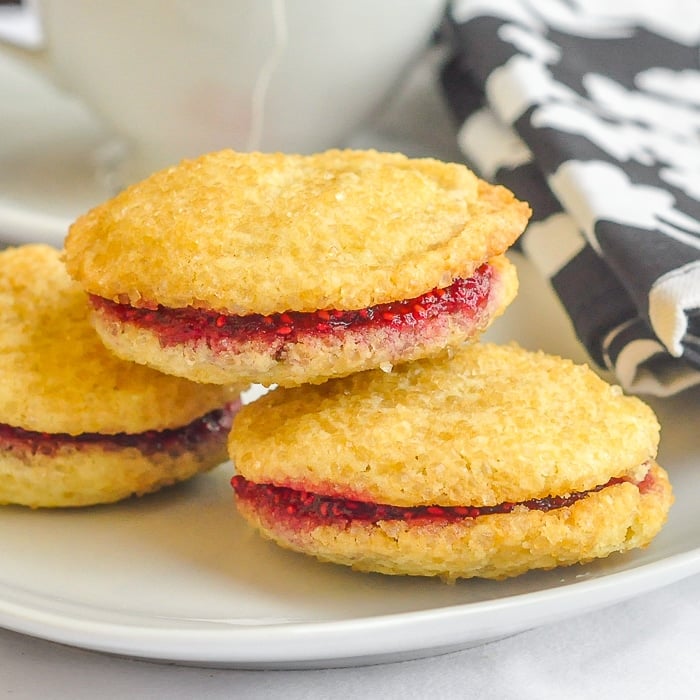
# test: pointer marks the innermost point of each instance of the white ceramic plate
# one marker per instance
(179, 577)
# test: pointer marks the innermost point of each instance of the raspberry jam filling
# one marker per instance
(173, 441)
(287, 502)
(175, 326)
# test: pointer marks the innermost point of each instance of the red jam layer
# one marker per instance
(174, 441)
(293, 503)
(175, 326)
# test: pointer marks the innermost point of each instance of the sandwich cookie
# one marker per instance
(288, 269)
(489, 464)
(77, 425)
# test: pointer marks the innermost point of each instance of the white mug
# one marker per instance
(177, 78)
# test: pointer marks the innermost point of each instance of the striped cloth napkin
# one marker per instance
(590, 110)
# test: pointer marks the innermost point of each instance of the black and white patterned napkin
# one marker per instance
(590, 111)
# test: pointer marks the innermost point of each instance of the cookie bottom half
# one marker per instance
(41, 470)
(206, 347)
(615, 518)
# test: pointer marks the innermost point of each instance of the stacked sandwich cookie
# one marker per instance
(78, 426)
(489, 463)
(286, 269)
(359, 283)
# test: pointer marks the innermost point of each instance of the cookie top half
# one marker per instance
(492, 424)
(244, 233)
(55, 374)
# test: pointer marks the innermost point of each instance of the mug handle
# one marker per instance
(21, 36)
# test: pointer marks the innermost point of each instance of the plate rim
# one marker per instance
(325, 643)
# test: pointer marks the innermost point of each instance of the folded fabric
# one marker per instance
(591, 111)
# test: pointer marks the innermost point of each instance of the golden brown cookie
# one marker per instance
(489, 463)
(77, 425)
(287, 269)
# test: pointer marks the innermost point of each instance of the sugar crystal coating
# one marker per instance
(245, 233)
(485, 425)
(56, 376)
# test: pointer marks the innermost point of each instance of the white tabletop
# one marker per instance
(646, 647)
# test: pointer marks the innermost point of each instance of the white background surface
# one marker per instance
(645, 647)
